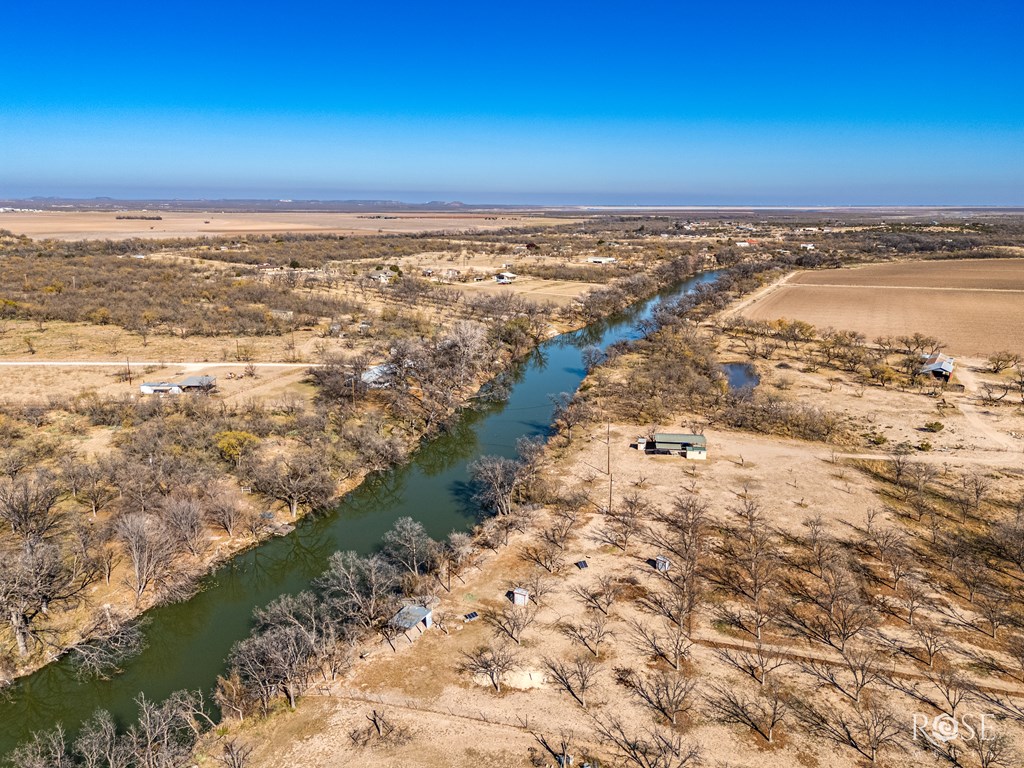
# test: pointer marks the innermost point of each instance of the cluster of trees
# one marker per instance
(623, 291)
(422, 381)
(887, 360)
(144, 512)
(674, 368)
(946, 240)
(299, 639)
(163, 736)
(148, 296)
(832, 634)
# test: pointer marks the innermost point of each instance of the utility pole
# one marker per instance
(608, 442)
(128, 367)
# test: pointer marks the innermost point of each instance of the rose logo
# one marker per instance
(945, 728)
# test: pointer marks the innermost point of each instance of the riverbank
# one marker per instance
(435, 474)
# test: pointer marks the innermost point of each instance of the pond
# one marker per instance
(741, 375)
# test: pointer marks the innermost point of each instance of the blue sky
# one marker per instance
(658, 103)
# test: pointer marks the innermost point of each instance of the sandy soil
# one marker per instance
(979, 310)
(558, 292)
(90, 225)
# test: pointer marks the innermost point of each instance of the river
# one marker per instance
(187, 643)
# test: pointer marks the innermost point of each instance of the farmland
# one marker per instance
(120, 225)
(976, 307)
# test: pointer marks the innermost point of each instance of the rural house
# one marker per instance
(675, 444)
(198, 384)
(159, 388)
(189, 384)
(938, 365)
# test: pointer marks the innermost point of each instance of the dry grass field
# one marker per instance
(976, 307)
(960, 274)
(91, 225)
(557, 292)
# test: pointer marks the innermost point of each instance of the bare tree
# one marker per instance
(493, 661)
(302, 480)
(546, 555)
(224, 510)
(33, 583)
(93, 486)
(559, 750)
(570, 411)
(540, 585)
(112, 640)
(99, 745)
(381, 728)
(1000, 361)
(454, 555)
(868, 729)
(932, 641)
(762, 712)
(408, 545)
(590, 633)
(184, 521)
(575, 677)
(28, 505)
(669, 644)
(274, 661)
(992, 750)
(976, 486)
(360, 590)
(625, 521)
(757, 662)
(557, 534)
(860, 668)
(149, 548)
(600, 596)
(497, 482)
(653, 748)
(235, 754)
(47, 749)
(511, 620)
(666, 693)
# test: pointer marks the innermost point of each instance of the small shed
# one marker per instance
(413, 616)
(662, 563)
(520, 596)
(938, 365)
